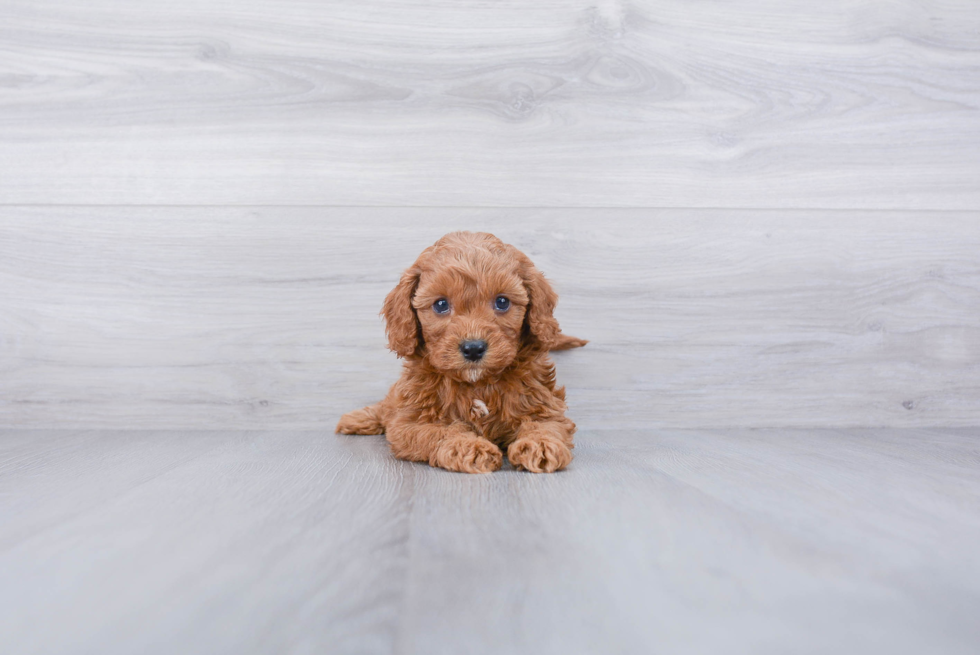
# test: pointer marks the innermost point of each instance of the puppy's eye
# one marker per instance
(440, 306)
(501, 304)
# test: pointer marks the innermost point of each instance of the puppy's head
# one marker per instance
(469, 304)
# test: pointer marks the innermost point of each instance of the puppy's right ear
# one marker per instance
(401, 323)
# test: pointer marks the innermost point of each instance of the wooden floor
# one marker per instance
(673, 541)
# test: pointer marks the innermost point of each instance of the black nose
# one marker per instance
(473, 350)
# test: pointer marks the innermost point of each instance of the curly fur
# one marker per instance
(462, 415)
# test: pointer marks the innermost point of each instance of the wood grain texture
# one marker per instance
(755, 542)
(215, 318)
(762, 214)
(200, 543)
(552, 103)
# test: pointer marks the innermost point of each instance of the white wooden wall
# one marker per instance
(762, 213)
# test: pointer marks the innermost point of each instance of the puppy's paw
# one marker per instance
(539, 455)
(467, 454)
(361, 421)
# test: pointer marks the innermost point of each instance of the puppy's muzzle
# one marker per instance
(473, 349)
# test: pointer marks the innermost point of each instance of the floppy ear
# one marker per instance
(401, 322)
(539, 321)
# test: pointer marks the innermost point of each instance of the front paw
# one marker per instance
(467, 454)
(539, 455)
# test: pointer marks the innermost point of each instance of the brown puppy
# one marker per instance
(473, 319)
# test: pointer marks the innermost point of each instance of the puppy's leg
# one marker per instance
(362, 421)
(542, 446)
(453, 447)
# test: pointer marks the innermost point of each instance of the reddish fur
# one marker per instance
(429, 414)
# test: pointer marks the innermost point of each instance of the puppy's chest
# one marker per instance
(485, 412)
(479, 410)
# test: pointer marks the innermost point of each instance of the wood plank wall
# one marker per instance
(761, 213)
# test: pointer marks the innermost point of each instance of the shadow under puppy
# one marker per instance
(473, 318)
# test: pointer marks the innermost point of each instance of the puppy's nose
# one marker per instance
(473, 349)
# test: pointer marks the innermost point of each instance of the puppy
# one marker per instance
(473, 319)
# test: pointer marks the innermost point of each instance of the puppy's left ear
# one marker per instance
(539, 321)
(401, 322)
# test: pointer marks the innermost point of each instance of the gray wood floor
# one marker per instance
(764, 215)
(672, 541)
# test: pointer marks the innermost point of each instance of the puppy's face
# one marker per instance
(471, 309)
(468, 304)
